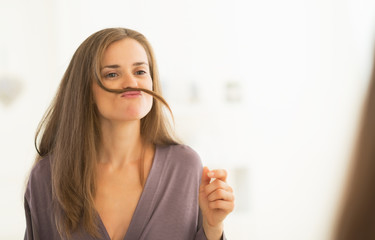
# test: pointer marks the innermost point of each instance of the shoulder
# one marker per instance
(41, 170)
(184, 152)
(181, 157)
(40, 177)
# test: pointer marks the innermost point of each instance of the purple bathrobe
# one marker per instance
(167, 209)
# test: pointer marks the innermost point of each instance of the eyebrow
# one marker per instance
(140, 63)
(118, 66)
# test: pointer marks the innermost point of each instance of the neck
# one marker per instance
(121, 143)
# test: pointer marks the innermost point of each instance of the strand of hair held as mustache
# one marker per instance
(156, 96)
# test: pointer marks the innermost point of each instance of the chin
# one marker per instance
(131, 117)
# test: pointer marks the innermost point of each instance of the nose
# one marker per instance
(129, 80)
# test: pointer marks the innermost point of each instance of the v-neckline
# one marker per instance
(141, 212)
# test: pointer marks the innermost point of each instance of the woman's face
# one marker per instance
(124, 64)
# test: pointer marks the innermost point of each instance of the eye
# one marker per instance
(140, 72)
(111, 75)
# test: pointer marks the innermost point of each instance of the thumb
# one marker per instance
(205, 179)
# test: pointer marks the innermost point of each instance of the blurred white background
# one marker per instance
(270, 90)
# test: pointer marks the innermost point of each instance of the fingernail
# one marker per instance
(210, 174)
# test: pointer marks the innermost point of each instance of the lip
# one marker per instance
(131, 94)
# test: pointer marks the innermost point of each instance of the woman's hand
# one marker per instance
(216, 200)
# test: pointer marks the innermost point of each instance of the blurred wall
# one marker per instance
(270, 90)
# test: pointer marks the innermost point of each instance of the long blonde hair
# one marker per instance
(69, 132)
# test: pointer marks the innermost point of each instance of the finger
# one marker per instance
(222, 205)
(219, 174)
(205, 179)
(217, 184)
(221, 194)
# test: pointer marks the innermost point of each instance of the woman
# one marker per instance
(357, 216)
(109, 167)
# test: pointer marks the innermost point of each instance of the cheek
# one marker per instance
(148, 84)
(96, 92)
(149, 101)
(101, 98)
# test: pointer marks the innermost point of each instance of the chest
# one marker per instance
(116, 198)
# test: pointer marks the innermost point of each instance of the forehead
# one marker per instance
(125, 51)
